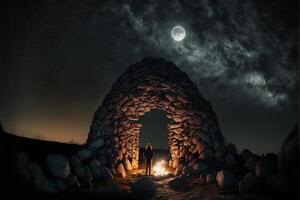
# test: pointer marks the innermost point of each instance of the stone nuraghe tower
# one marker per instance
(194, 136)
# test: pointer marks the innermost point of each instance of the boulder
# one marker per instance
(211, 177)
(200, 167)
(273, 159)
(135, 164)
(248, 183)
(195, 140)
(178, 170)
(251, 163)
(187, 170)
(278, 184)
(105, 173)
(98, 143)
(206, 154)
(22, 165)
(94, 166)
(84, 154)
(121, 170)
(219, 154)
(246, 154)
(61, 186)
(217, 145)
(230, 148)
(127, 165)
(263, 168)
(72, 182)
(75, 161)
(289, 156)
(83, 172)
(230, 160)
(170, 163)
(175, 163)
(41, 182)
(111, 188)
(144, 187)
(226, 179)
(58, 165)
(178, 182)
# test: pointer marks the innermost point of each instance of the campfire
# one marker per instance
(159, 168)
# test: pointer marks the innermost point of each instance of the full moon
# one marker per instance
(178, 33)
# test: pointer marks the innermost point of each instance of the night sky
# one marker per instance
(59, 59)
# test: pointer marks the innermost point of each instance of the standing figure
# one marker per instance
(148, 155)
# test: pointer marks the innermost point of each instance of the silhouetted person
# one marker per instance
(148, 155)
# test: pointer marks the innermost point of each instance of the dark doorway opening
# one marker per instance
(154, 131)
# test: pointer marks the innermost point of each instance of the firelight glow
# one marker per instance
(159, 168)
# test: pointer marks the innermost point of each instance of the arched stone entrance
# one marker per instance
(193, 133)
(154, 130)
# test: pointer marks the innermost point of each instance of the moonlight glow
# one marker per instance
(178, 33)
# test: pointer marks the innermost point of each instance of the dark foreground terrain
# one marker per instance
(13, 186)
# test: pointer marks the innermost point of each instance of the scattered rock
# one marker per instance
(289, 155)
(226, 179)
(195, 140)
(98, 143)
(251, 163)
(273, 159)
(61, 186)
(40, 180)
(73, 182)
(178, 183)
(217, 145)
(127, 165)
(248, 184)
(246, 154)
(219, 154)
(263, 168)
(211, 177)
(135, 164)
(187, 170)
(111, 188)
(175, 163)
(83, 172)
(278, 184)
(289, 161)
(121, 170)
(230, 160)
(59, 166)
(94, 166)
(144, 187)
(84, 154)
(178, 170)
(206, 154)
(106, 174)
(230, 148)
(22, 165)
(75, 160)
(200, 167)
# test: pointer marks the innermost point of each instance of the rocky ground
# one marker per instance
(268, 176)
(189, 189)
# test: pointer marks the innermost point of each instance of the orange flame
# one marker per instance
(159, 168)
